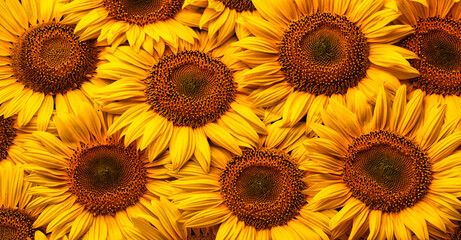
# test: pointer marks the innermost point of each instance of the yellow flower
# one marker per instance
(16, 216)
(437, 41)
(258, 195)
(146, 24)
(44, 66)
(180, 100)
(306, 52)
(220, 17)
(89, 184)
(393, 176)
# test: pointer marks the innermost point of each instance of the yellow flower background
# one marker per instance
(230, 119)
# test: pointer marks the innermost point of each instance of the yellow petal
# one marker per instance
(256, 44)
(444, 147)
(411, 114)
(202, 149)
(44, 113)
(161, 143)
(219, 136)
(208, 217)
(380, 114)
(182, 146)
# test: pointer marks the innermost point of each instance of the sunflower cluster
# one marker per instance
(230, 119)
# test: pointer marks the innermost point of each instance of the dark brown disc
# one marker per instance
(16, 224)
(190, 88)
(437, 41)
(142, 12)
(49, 58)
(107, 178)
(263, 188)
(323, 53)
(386, 171)
(7, 135)
(239, 5)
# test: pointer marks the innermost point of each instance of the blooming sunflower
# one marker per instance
(305, 52)
(90, 183)
(181, 100)
(16, 217)
(437, 41)
(220, 17)
(146, 24)
(44, 66)
(396, 175)
(258, 195)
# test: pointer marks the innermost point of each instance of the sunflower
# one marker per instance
(44, 66)
(220, 17)
(257, 195)
(180, 100)
(145, 24)
(437, 41)
(90, 184)
(16, 216)
(305, 52)
(396, 175)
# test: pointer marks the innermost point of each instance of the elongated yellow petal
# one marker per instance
(209, 217)
(228, 228)
(182, 146)
(261, 28)
(411, 113)
(161, 143)
(202, 149)
(66, 216)
(375, 224)
(219, 136)
(352, 207)
(444, 147)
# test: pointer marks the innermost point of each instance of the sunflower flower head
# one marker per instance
(93, 183)
(393, 175)
(257, 194)
(45, 67)
(304, 53)
(180, 100)
(437, 41)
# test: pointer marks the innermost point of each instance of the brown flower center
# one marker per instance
(107, 178)
(203, 236)
(190, 88)
(239, 5)
(263, 188)
(386, 172)
(142, 12)
(49, 58)
(7, 135)
(437, 42)
(16, 224)
(323, 53)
